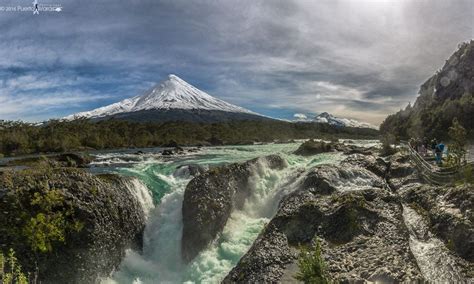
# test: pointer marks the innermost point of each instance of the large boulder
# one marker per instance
(68, 225)
(214, 141)
(210, 198)
(374, 164)
(401, 171)
(171, 144)
(327, 179)
(312, 147)
(74, 160)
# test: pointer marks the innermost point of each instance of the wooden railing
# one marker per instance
(434, 174)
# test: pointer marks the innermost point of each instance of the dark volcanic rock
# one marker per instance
(186, 171)
(401, 172)
(312, 147)
(362, 226)
(74, 160)
(359, 224)
(167, 152)
(171, 144)
(327, 179)
(214, 141)
(210, 197)
(353, 149)
(450, 213)
(101, 215)
(374, 164)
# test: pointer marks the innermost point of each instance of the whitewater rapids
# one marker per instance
(160, 260)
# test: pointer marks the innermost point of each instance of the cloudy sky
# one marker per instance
(361, 59)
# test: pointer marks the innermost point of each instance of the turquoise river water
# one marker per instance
(160, 260)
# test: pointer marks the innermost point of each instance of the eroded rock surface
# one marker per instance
(312, 147)
(357, 220)
(358, 212)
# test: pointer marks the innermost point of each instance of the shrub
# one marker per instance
(10, 269)
(457, 151)
(468, 174)
(49, 225)
(312, 268)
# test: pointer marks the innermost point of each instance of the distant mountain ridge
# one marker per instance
(446, 95)
(327, 118)
(172, 100)
(341, 122)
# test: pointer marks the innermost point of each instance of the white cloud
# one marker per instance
(34, 108)
(362, 58)
(300, 116)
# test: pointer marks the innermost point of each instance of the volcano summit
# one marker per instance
(172, 100)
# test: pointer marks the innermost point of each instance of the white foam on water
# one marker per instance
(142, 194)
(436, 262)
(356, 179)
(161, 258)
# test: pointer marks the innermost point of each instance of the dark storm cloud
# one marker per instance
(345, 57)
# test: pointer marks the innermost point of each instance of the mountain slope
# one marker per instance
(171, 100)
(446, 95)
(341, 122)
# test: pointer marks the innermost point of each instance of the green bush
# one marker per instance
(312, 268)
(10, 269)
(457, 149)
(38, 214)
(49, 225)
(468, 174)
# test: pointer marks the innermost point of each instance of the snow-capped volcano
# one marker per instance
(338, 121)
(172, 94)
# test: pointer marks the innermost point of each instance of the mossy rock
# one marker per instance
(70, 224)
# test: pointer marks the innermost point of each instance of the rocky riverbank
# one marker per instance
(66, 225)
(359, 211)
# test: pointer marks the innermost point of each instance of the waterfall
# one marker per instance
(160, 260)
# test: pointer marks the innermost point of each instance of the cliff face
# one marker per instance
(68, 225)
(446, 95)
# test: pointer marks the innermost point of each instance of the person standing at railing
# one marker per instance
(434, 143)
(426, 142)
(422, 150)
(439, 153)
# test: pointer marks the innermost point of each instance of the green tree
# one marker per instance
(457, 149)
